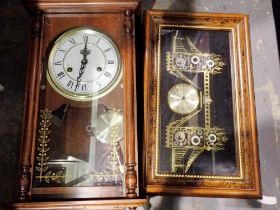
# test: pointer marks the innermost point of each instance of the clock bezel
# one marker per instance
(181, 112)
(48, 64)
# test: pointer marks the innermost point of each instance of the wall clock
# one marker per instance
(79, 137)
(200, 129)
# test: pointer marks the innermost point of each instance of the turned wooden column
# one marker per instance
(129, 104)
(31, 98)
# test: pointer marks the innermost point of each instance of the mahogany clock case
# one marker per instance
(200, 134)
(54, 122)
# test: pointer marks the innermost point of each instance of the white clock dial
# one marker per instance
(84, 64)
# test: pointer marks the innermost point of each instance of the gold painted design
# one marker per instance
(180, 60)
(196, 139)
(236, 38)
(43, 148)
(112, 170)
(113, 131)
(109, 131)
(56, 177)
(208, 138)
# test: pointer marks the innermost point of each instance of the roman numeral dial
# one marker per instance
(84, 64)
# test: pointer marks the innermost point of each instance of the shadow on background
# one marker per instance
(276, 13)
(14, 38)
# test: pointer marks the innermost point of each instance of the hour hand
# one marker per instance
(85, 51)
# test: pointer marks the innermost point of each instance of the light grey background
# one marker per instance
(14, 33)
(267, 89)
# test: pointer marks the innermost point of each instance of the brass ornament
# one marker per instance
(181, 138)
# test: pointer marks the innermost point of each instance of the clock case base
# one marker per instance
(112, 204)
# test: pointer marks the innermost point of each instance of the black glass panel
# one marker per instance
(196, 133)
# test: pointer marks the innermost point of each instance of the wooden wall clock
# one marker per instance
(200, 125)
(79, 139)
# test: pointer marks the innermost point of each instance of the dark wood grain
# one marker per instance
(31, 105)
(129, 103)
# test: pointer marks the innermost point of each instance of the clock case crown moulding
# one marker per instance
(80, 6)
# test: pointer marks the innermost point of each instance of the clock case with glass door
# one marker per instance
(79, 138)
(200, 135)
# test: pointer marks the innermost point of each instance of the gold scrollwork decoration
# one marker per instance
(205, 100)
(43, 140)
(186, 57)
(111, 171)
(56, 177)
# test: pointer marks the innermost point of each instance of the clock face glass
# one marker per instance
(196, 136)
(80, 129)
(84, 64)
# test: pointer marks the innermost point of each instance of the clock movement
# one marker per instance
(199, 122)
(79, 139)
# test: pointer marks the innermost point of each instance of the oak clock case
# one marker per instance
(79, 137)
(197, 116)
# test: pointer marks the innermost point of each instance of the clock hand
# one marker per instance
(82, 69)
(85, 52)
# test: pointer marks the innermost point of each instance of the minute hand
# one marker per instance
(85, 52)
